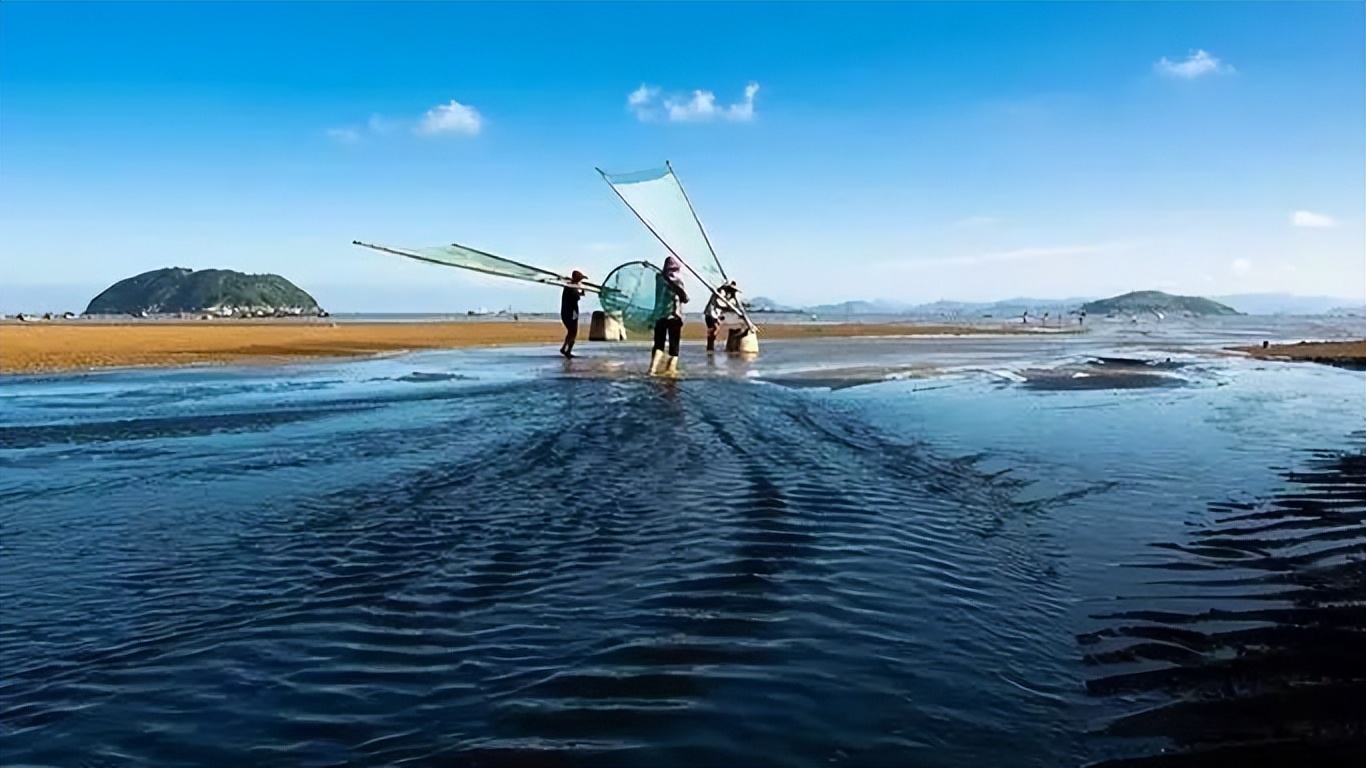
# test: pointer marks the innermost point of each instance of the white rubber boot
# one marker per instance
(671, 366)
(656, 361)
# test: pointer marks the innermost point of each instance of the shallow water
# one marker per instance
(491, 557)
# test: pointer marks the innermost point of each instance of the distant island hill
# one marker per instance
(217, 292)
(1157, 301)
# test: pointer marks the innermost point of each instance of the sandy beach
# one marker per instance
(1348, 354)
(78, 345)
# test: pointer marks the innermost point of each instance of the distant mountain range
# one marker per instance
(1288, 304)
(1251, 304)
(1006, 308)
(1009, 307)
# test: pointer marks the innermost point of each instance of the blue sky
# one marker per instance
(905, 151)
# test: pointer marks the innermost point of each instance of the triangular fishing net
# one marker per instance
(658, 199)
(631, 294)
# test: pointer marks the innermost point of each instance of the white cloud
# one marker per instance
(1309, 219)
(702, 106)
(450, 118)
(1241, 266)
(698, 107)
(642, 95)
(641, 102)
(344, 135)
(443, 118)
(1197, 64)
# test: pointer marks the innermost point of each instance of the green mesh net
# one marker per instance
(457, 255)
(657, 197)
(629, 294)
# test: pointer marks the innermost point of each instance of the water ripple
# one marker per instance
(559, 572)
(1276, 672)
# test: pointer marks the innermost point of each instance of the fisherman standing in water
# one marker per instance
(669, 293)
(723, 299)
(569, 312)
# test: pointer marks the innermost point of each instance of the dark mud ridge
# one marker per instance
(1278, 678)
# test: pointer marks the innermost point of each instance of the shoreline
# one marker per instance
(65, 346)
(1341, 354)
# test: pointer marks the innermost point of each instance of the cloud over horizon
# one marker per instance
(344, 135)
(698, 107)
(1197, 64)
(1018, 254)
(450, 118)
(1311, 219)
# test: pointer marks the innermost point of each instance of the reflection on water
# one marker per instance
(503, 558)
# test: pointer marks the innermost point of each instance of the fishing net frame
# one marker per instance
(630, 293)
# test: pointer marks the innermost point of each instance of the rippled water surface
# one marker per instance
(878, 552)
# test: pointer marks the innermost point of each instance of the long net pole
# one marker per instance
(551, 279)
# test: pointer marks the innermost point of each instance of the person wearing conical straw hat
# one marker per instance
(670, 294)
(723, 299)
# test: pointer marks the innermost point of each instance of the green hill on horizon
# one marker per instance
(1150, 301)
(218, 291)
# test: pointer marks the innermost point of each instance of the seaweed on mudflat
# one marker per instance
(1279, 676)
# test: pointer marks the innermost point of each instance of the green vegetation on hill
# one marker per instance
(221, 291)
(1148, 301)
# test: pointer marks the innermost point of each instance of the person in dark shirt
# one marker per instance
(569, 312)
(669, 293)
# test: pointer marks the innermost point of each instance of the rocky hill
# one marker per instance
(210, 291)
(1157, 301)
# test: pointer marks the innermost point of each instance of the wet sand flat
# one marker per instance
(1351, 354)
(60, 346)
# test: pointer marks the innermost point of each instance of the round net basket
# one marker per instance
(630, 293)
